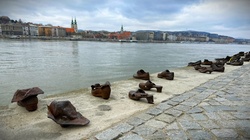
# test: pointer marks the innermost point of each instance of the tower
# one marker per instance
(122, 29)
(74, 24)
(75, 27)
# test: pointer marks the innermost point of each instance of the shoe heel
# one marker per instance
(150, 99)
(159, 89)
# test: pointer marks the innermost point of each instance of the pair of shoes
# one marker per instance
(223, 60)
(137, 95)
(148, 85)
(166, 74)
(236, 63)
(203, 69)
(103, 91)
(65, 114)
(141, 74)
(27, 98)
(194, 63)
(218, 68)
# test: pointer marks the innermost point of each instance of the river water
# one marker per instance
(63, 66)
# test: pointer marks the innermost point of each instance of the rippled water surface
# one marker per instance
(62, 66)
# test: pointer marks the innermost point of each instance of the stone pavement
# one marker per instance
(217, 109)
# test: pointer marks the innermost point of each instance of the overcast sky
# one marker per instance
(224, 17)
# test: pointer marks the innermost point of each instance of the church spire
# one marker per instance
(75, 21)
(121, 28)
(72, 23)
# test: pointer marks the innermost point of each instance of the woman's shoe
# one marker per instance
(148, 85)
(103, 91)
(137, 95)
(166, 74)
(141, 74)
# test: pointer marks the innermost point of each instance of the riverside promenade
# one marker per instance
(217, 109)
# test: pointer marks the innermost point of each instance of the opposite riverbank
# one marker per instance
(16, 122)
(110, 40)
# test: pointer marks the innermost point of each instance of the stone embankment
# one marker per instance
(217, 109)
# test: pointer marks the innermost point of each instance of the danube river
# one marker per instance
(63, 66)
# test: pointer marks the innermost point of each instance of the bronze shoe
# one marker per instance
(206, 62)
(166, 74)
(103, 91)
(218, 68)
(137, 95)
(194, 63)
(236, 63)
(27, 98)
(205, 70)
(65, 114)
(197, 67)
(148, 85)
(141, 74)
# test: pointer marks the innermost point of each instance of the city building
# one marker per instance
(26, 30)
(12, 29)
(33, 30)
(58, 31)
(45, 31)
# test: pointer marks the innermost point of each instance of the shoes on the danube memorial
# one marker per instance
(218, 68)
(148, 85)
(141, 74)
(166, 74)
(103, 91)
(222, 60)
(27, 98)
(206, 62)
(194, 63)
(205, 70)
(137, 95)
(65, 114)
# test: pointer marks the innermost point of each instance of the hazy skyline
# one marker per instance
(224, 17)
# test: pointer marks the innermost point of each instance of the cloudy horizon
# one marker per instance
(224, 17)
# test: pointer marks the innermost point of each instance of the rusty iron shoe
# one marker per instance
(148, 85)
(27, 98)
(137, 95)
(205, 70)
(103, 91)
(197, 67)
(207, 62)
(194, 63)
(141, 74)
(218, 68)
(65, 114)
(236, 62)
(166, 74)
